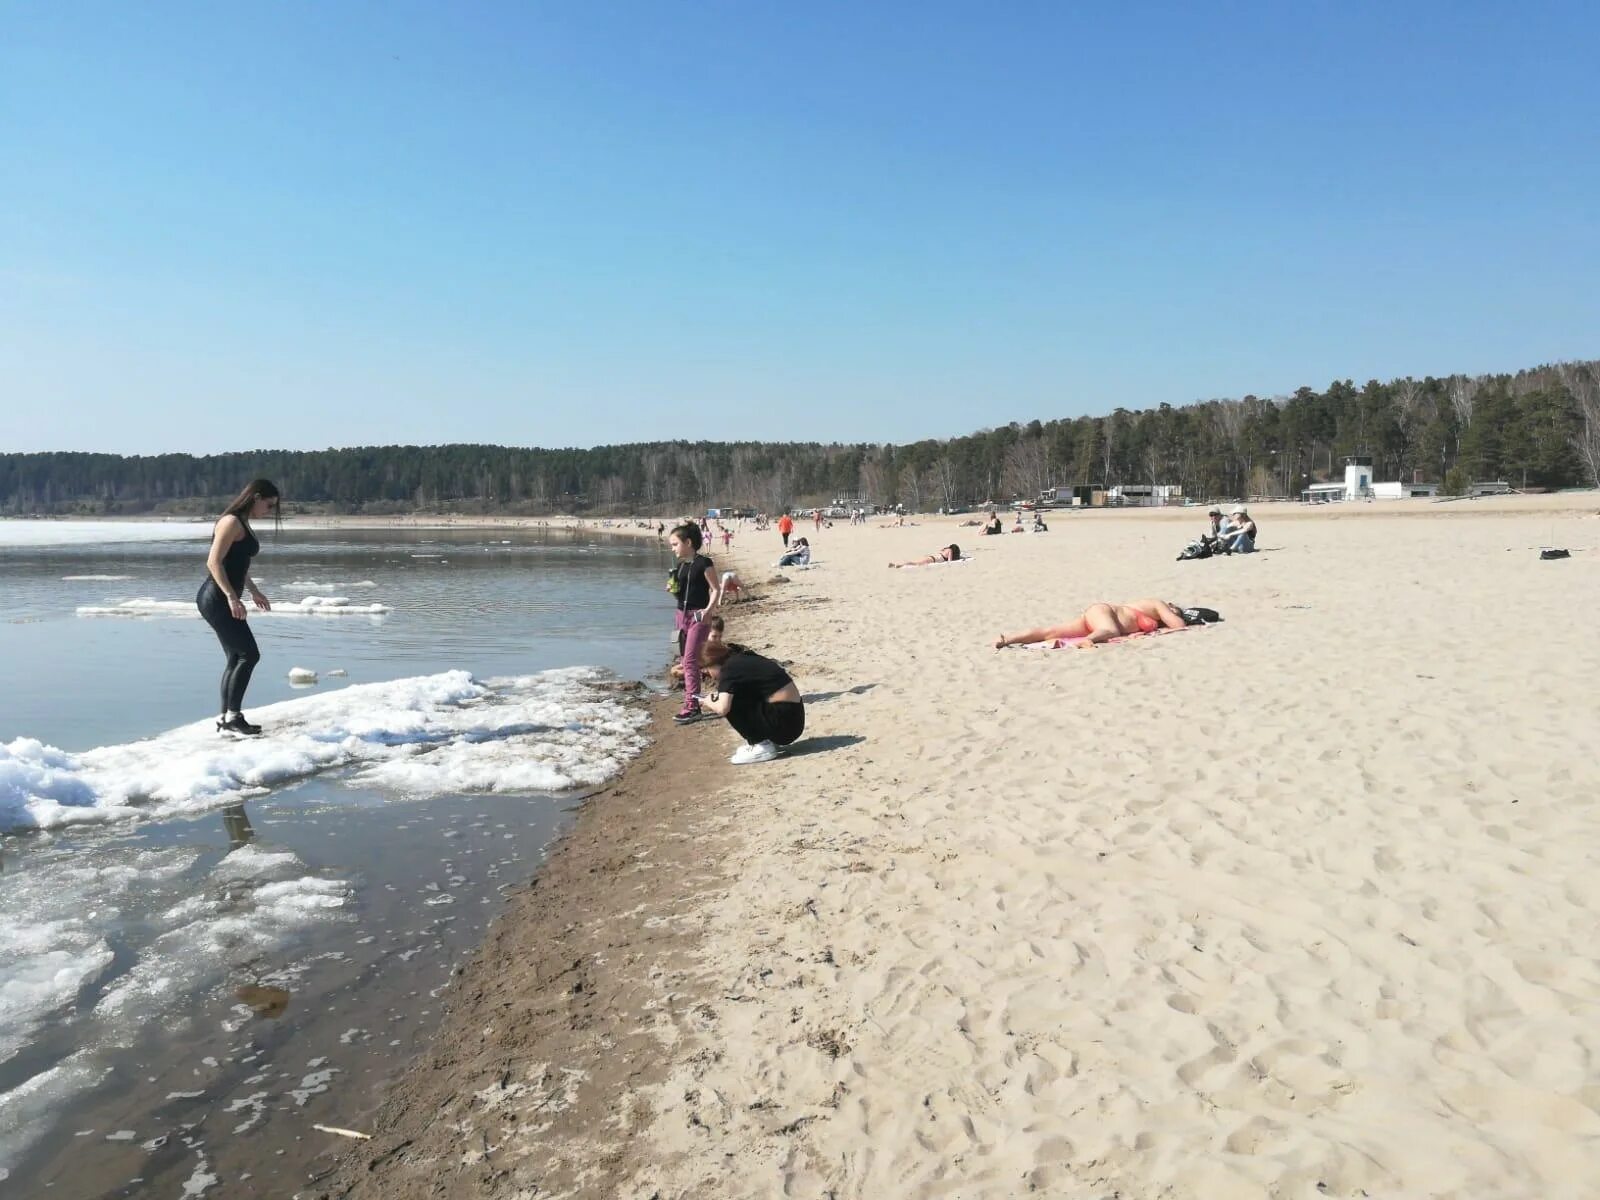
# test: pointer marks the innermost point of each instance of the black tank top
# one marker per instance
(236, 562)
(694, 592)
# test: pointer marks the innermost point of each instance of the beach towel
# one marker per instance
(943, 562)
(1066, 643)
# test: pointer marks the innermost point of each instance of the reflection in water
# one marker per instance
(236, 823)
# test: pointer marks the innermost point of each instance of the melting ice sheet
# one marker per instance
(311, 606)
(100, 943)
(424, 735)
(177, 934)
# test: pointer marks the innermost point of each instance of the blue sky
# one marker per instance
(227, 226)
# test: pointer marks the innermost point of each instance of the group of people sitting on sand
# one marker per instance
(1234, 534)
(720, 678)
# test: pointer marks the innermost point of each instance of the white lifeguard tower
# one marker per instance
(1358, 477)
(1357, 483)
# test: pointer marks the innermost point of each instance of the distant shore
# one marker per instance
(1578, 501)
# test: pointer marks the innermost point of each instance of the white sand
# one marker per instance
(1302, 905)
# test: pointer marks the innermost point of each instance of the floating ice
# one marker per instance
(174, 941)
(338, 673)
(423, 735)
(311, 585)
(95, 578)
(302, 675)
(39, 981)
(28, 1110)
(311, 606)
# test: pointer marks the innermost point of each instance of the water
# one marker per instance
(213, 945)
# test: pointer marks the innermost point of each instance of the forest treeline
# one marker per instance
(1538, 428)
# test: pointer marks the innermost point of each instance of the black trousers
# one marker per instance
(779, 723)
(238, 643)
(786, 541)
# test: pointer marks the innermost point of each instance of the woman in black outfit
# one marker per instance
(757, 696)
(233, 545)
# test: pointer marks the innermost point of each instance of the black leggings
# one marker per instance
(238, 643)
(779, 723)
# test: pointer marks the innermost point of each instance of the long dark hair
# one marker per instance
(955, 551)
(256, 489)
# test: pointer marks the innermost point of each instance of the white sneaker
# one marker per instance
(754, 752)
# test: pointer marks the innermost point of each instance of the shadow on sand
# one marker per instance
(860, 689)
(821, 745)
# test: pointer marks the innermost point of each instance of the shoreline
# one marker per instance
(554, 1026)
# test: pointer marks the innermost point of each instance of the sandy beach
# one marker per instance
(1296, 905)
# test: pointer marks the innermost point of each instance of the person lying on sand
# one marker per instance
(950, 553)
(1101, 623)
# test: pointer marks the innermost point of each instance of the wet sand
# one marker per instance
(556, 1027)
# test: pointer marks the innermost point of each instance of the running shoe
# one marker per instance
(237, 724)
(688, 718)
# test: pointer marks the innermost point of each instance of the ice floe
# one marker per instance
(302, 675)
(95, 578)
(423, 735)
(311, 606)
(311, 585)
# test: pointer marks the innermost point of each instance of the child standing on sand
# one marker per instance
(699, 592)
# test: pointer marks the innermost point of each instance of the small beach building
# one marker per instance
(1398, 490)
(1145, 495)
(1357, 483)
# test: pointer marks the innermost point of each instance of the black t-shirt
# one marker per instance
(750, 678)
(693, 590)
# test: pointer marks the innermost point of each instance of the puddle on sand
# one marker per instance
(219, 1095)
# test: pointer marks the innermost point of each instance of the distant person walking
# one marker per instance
(785, 527)
(699, 592)
(233, 545)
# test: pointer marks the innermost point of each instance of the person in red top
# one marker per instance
(786, 527)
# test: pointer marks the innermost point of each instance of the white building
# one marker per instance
(1404, 491)
(1145, 494)
(1357, 483)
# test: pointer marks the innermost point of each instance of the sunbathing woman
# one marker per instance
(1102, 622)
(950, 553)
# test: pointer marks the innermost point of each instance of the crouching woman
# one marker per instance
(757, 697)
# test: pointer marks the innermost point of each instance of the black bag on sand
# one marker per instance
(1200, 616)
(1204, 548)
(1555, 554)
